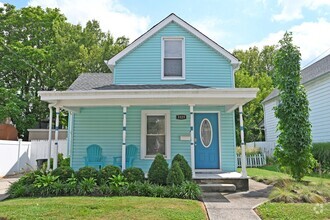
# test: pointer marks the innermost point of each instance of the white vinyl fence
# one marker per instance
(256, 160)
(19, 156)
(266, 147)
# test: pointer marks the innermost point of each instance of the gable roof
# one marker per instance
(88, 81)
(173, 18)
(308, 74)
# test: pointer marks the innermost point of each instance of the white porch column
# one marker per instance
(243, 157)
(50, 135)
(56, 137)
(123, 154)
(192, 140)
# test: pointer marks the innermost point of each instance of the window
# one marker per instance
(155, 133)
(173, 58)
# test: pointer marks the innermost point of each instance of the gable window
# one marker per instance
(155, 133)
(173, 58)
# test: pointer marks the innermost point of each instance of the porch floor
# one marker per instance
(227, 175)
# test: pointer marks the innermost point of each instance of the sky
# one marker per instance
(234, 24)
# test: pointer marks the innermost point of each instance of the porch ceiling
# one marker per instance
(72, 100)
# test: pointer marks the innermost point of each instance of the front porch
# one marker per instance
(120, 112)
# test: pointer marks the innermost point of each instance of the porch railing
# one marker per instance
(256, 160)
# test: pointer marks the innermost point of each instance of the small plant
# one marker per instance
(87, 185)
(108, 171)
(45, 180)
(72, 180)
(158, 171)
(30, 177)
(186, 169)
(118, 181)
(63, 172)
(190, 190)
(17, 189)
(175, 175)
(87, 172)
(134, 174)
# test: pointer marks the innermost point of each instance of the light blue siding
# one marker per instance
(204, 65)
(103, 126)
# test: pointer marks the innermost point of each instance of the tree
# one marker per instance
(294, 141)
(40, 50)
(255, 72)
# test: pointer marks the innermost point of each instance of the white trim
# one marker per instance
(192, 139)
(123, 161)
(183, 57)
(144, 114)
(207, 170)
(219, 138)
(172, 18)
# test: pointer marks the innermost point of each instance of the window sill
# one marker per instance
(152, 158)
(173, 78)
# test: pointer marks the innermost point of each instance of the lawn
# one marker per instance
(101, 208)
(294, 211)
(272, 210)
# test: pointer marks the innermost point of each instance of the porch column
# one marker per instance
(192, 140)
(243, 157)
(56, 137)
(123, 154)
(50, 135)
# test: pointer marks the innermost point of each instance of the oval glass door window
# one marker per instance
(206, 132)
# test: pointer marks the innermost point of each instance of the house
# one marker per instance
(316, 79)
(171, 91)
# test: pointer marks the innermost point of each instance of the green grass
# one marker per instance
(272, 173)
(101, 208)
(294, 211)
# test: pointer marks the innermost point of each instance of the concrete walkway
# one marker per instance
(236, 205)
(4, 185)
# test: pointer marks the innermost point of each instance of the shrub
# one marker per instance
(175, 175)
(87, 172)
(30, 177)
(63, 172)
(321, 152)
(134, 174)
(186, 169)
(17, 189)
(249, 151)
(158, 170)
(61, 161)
(107, 172)
(118, 181)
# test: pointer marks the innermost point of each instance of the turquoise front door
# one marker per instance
(206, 141)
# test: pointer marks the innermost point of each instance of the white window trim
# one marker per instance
(183, 58)
(144, 114)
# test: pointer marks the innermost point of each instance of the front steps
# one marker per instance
(218, 187)
(221, 182)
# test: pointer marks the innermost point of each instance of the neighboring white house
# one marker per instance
(316, 79)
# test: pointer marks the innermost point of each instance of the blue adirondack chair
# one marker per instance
(131, 151)
(94, 156)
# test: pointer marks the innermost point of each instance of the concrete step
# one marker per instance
(218, 187)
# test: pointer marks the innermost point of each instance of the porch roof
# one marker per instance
(73, 100)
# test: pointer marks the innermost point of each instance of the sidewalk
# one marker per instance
(4, 185)
(236, 205)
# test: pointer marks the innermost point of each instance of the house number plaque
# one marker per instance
(181, 117)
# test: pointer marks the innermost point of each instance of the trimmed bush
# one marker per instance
(321, 152)
(134, 174)
(175, 175)
(87, 172)
(30, 177)
(158, 170)
(64, 173)
(107, 172)
(186, 169)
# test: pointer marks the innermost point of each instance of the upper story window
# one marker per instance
(173, 58)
